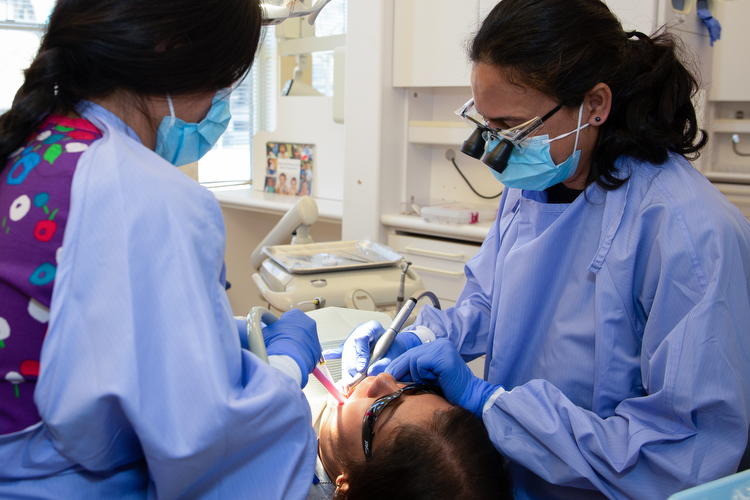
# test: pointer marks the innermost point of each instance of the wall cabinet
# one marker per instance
(429, 43)
(731, 70)
(432, 37)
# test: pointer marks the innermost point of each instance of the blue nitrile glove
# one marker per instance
(355, 351)
(440, 362)
(295, 334)
(713, 26)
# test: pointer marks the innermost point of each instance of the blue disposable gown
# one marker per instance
(620, 326)
(144, 391)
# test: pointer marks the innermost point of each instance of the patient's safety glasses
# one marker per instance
(377, 407)
(497, 157)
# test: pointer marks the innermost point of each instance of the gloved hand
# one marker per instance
(713, 26)
(440, 362)
(295, 334)
(355, 351)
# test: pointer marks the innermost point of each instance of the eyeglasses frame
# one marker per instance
(377, 407)
(510, 138)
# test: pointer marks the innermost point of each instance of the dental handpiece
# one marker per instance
(386, 340)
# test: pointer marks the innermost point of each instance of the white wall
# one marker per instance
(307, 120)
(375, 121)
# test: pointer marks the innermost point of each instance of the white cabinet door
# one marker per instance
(431, 37)
(731, 69)
(430, 42)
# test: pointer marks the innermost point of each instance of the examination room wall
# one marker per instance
(401, 93)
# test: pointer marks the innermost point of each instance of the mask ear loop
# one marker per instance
(171, 110)
(576, 131)
(578, 128)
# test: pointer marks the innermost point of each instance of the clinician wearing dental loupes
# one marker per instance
(121, 368)
(611, 295)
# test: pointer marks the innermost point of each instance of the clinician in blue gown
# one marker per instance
(611, 295)
(143, 390)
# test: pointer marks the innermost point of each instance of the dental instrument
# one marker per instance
(357, 274)
(325, 379)
(385, 341)
(400, 298)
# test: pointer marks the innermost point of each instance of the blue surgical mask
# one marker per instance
(181, 143)
(532, 166)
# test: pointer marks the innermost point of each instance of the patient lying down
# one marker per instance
(421, 446)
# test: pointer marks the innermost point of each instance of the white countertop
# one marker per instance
(416, 224)
(246, 198)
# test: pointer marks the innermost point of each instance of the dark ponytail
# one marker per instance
(32, 102)
(563, 48)
(652, 112)
(93, 48)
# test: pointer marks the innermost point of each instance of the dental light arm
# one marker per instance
(299, 218)
(277, 12)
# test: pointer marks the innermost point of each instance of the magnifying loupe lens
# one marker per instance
(497, 159)
(474, 145)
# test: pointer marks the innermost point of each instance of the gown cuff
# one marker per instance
(286, 365)
(424, 334)
(491, 400)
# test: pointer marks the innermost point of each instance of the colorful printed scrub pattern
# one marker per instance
(34, 204)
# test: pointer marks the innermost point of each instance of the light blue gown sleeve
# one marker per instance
(676, 279)
(142, 358)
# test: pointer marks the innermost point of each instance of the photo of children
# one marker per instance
(271, 176)
(289, 168)
(281, 187)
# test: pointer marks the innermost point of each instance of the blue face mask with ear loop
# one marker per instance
(181, 143)
(532, 167)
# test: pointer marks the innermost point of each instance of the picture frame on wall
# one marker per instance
(289, 168)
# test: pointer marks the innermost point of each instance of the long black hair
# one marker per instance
(451, 458)
(563, 48)
(148, 47)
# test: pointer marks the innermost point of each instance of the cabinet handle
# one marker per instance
(437, 271)
(433, 253)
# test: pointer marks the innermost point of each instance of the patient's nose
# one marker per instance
(383, 385)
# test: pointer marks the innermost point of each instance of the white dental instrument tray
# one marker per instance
(332, 256)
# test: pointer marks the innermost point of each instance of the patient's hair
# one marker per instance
(450, 458)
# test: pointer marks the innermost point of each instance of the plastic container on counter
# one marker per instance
(459, 213)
